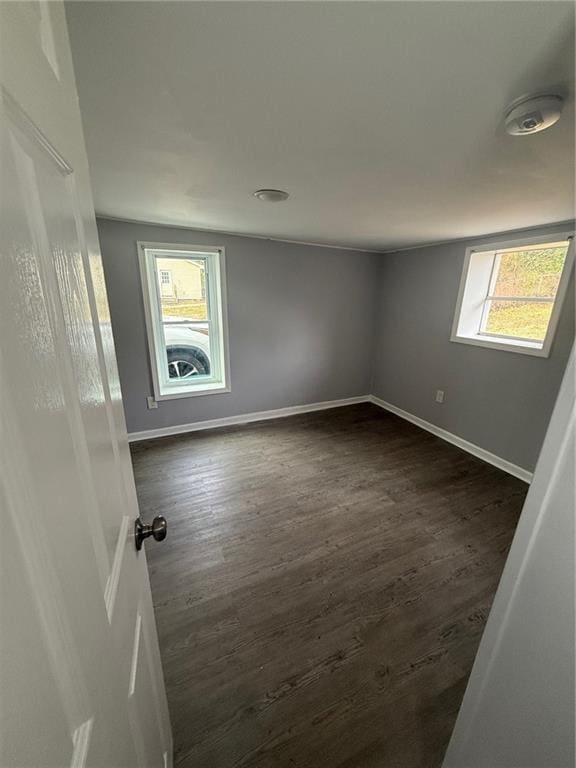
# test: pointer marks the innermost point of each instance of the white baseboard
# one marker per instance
(278, 413)
(475, 450)
(244, 418)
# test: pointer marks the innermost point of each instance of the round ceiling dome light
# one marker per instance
(271, 195)
(533, 114)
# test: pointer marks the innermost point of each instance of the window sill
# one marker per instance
(207, 389)
(536, 349)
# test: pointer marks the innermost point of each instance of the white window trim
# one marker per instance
(522, 346)
(156, 347)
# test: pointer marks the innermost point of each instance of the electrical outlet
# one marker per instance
(151, 403)
(439, 395)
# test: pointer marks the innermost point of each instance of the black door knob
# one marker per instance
(158, 530)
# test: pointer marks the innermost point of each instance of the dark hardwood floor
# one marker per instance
(323, 587)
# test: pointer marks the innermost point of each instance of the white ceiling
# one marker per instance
(382, 120)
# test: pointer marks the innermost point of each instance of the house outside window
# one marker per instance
(166, 286)
(511, 294)
(184, 298)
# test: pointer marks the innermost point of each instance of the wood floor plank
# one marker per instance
(323, 588)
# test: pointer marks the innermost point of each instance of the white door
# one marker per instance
(518, 709)
(80, 676)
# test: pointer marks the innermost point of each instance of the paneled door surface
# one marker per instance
(80, 676)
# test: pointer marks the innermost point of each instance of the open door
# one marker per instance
(518, 709)
(80, 676)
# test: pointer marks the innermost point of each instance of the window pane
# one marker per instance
(530, 272)
(522, 319)
(187, 351)
(182, 284)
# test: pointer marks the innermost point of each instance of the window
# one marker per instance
(184, 300)
(166, 285)
(511, 294)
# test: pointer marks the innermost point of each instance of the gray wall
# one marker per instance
(501, 401)
(301, 324)
(309, 324)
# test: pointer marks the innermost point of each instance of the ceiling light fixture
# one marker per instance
(533, 114)
(271, 195)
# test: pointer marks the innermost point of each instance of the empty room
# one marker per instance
(287, 320)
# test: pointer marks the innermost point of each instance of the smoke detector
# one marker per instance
(533, 114)
(271, 195)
